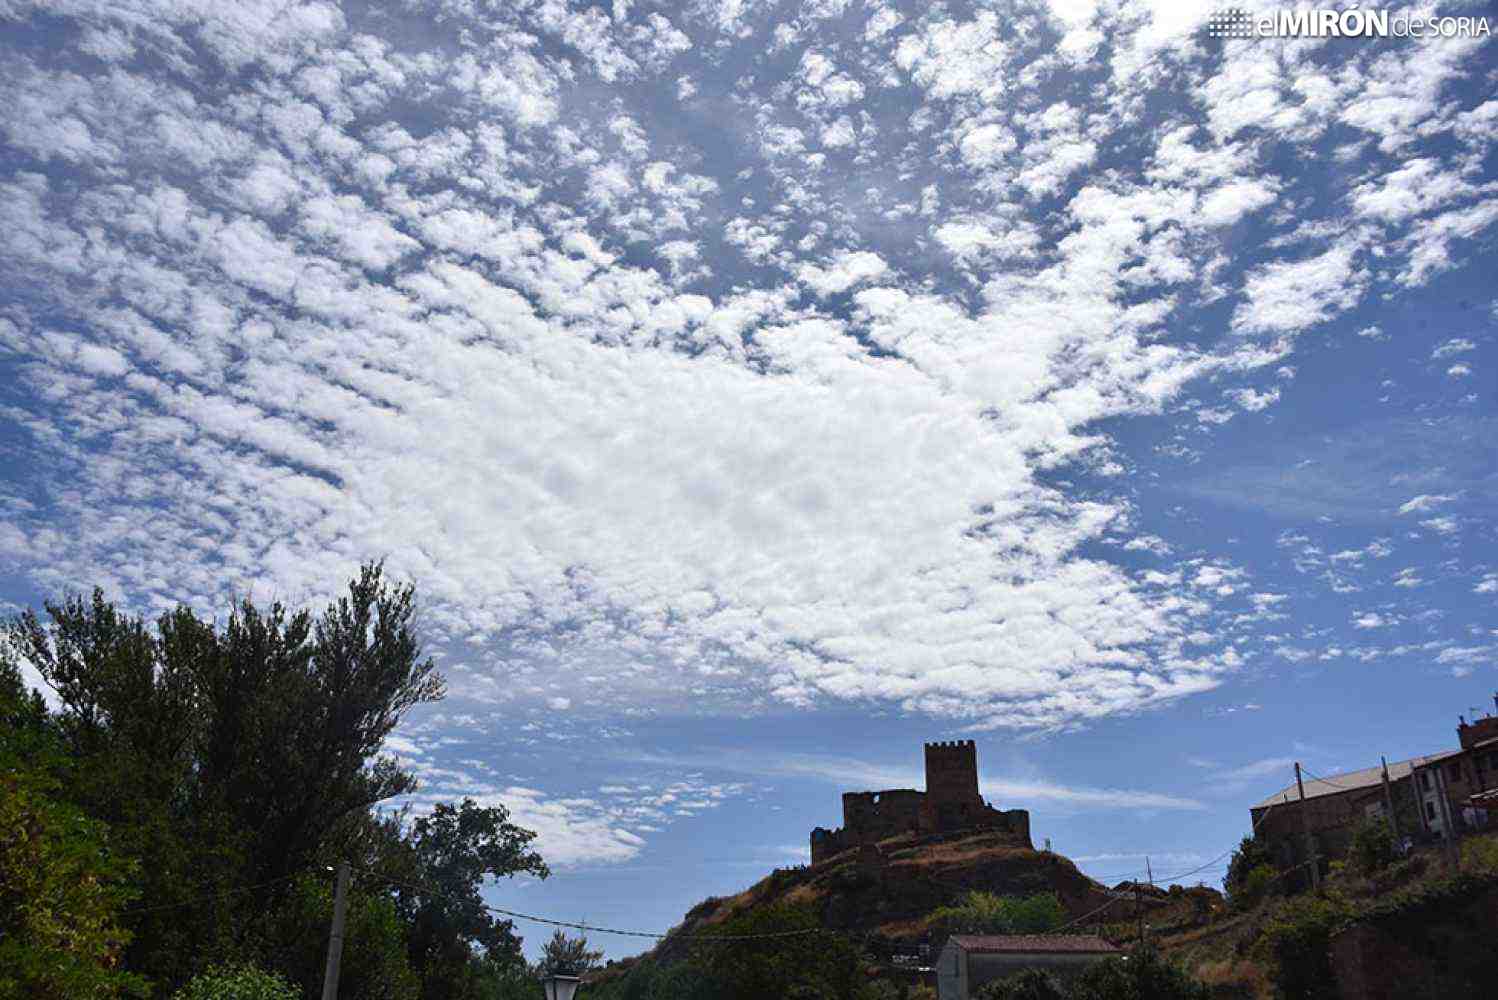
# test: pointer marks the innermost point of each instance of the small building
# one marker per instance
(970, 960)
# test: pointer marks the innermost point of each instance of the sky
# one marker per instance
(756, 389)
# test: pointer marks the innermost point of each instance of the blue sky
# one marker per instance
(757, 389)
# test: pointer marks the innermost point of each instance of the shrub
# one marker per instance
(1143, 975)
(987, 913)
(1480, 854)
(1251, 874)
(1295, 945)
(243, 982)
(1032, 984)
(1372, 847)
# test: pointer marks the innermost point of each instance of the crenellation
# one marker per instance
(950, 802)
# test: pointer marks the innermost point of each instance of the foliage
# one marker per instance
(1295, 943)
(1144, 975)
(220, 766)
(242, 982)
(987, 913)
(1480, 854)
(61, 886)
(375, 965)
(1032, 984)
(1372, 849)
(566, 954)
(1251, 874)
(803, 962)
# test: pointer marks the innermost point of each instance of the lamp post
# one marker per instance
(561, 985)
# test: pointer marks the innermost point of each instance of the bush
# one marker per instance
(1295, 945)
(1251, 874)
(1144, 975)
(1032, 984)
(1372, 847)
(987, 913)
(243, 982)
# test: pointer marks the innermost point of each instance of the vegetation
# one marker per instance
(1143, 975)
(1251, 875)
(170, 827)
(987, 913)
(1373, 847)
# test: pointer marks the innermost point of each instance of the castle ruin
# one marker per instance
(951, 802)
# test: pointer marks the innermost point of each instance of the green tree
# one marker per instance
(62, 887)
(375, 963)
(782, 951)
(1251, 874)
(1032, 984)
(228, 758)
(567, 954)
(239, 982)
(1372, 848)
(1144, 975)
(986, 913)
(1295, 943)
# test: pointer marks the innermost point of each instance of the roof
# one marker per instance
(1032, 943)
(1489, 742)
(1352, 781)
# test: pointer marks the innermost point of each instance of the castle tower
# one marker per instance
(952, 772)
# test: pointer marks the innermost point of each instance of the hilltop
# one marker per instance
(885, 894)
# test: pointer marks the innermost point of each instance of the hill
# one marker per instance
(884, 895)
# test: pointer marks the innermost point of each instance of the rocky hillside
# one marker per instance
(891, 890)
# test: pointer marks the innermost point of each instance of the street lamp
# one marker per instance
(561, 986)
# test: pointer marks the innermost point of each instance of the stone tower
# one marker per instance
(952, 771)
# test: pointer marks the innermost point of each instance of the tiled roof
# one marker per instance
(1352, 781)
(1032, 943)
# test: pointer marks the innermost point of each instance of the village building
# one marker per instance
(968, 961)
(1425, 799)
(951, 802)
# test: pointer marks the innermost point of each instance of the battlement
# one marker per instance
(950, 802)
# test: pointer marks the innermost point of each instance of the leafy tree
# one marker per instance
(61, 886)
(987, 913)
(1372, 849)
(1145, 975)
(375, 964)
(1295, 944)
(1251, 874)
(567, 954)
(241, 982)
(226, 758)
(808, 962)
(1032, 984)
(437, 866)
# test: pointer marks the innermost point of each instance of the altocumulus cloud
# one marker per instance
(704, 353)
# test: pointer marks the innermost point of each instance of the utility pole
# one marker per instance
(1448, 823)
(1389, 802)
(1305, 824)
(335, 937)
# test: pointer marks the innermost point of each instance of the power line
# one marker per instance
(591, 927)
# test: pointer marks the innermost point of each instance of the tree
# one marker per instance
(375, 964)
(241, 982)
(437, 866)
(62, 888)
(227, 758)
(1372, 848)
(986, 913)
(566, 954)
(1251, 874)
(1032, 984)
(782, 951)
(1145, 975)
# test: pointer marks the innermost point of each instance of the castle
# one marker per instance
(951, 802)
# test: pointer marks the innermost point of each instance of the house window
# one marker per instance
(1454, 770)
(1430, 810)
(1425, 780)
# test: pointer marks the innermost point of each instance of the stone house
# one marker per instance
(1433, 796)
